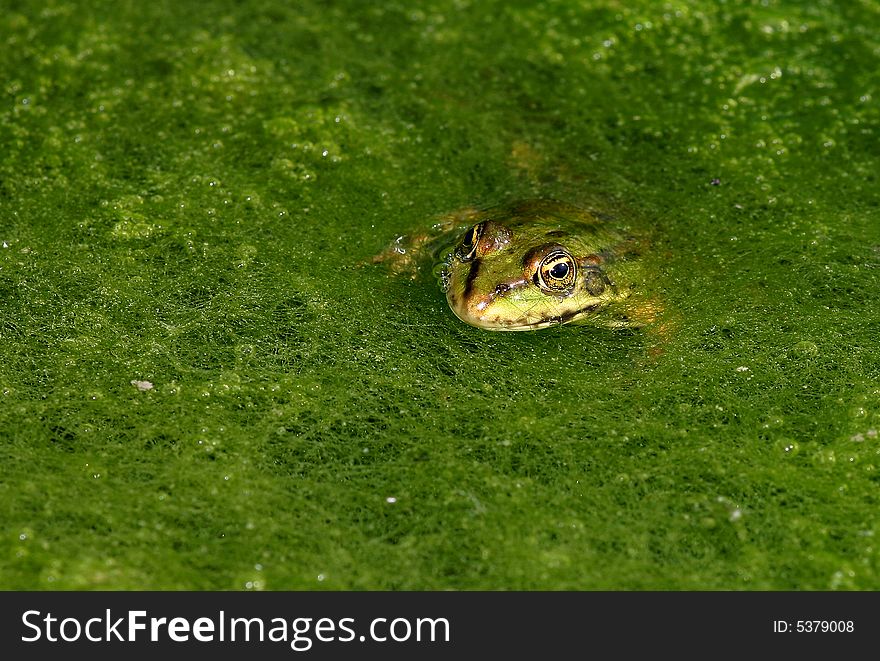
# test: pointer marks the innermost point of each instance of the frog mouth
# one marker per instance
(555, 320)
(499, 323)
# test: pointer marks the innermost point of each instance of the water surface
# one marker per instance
(200, 386)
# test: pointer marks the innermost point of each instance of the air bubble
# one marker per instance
(806, 348)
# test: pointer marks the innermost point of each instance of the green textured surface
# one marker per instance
(185, 196)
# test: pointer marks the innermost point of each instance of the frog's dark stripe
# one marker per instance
(471, 276)
(568, 316)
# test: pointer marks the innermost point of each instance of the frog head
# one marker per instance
(525, 273)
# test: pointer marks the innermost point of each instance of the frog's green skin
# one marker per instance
(541, 263)
(534, 264)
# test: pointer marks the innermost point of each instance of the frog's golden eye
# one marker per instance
(556, 273)
(467, 249)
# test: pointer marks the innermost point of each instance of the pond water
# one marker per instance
(204, 386)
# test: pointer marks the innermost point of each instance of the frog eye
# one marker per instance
(557, 272)
(467, 249)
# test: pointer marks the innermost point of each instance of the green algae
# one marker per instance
(187, 198)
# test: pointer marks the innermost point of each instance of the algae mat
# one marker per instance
(202, 387)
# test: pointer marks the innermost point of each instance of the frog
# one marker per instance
(533, 264)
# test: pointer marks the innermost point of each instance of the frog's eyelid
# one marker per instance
(540, 253)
